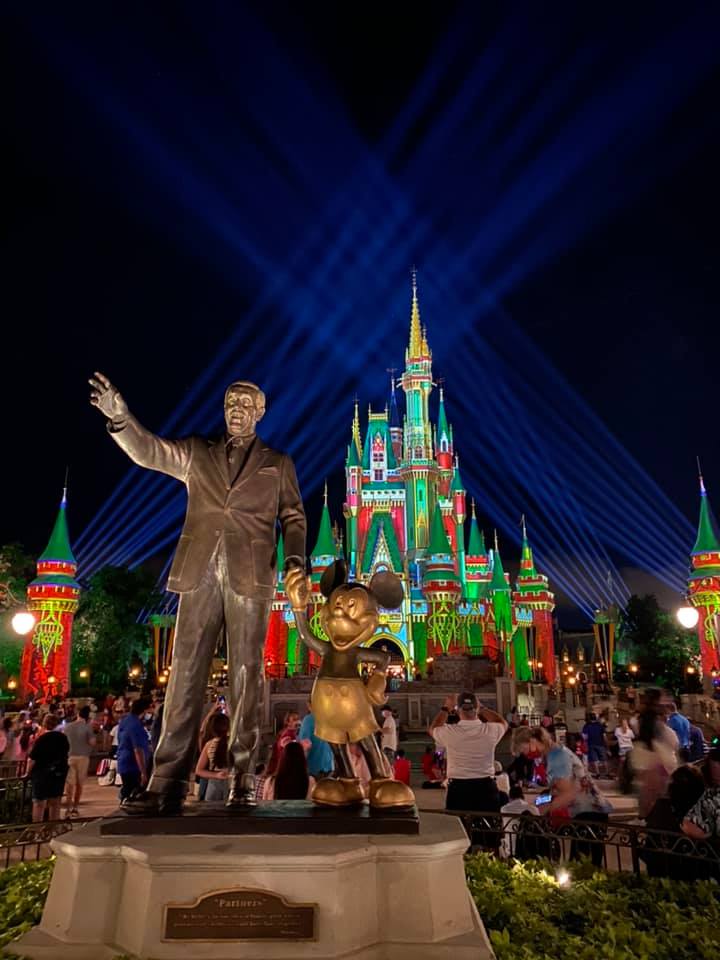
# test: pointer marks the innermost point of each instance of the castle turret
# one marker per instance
(704, 585)
(353, 493)
(532, 596)
(418, 464)
(53, 598)
(441, 587)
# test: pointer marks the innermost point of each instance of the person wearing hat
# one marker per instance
(470, 752)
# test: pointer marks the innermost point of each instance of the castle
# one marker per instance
(405, 510)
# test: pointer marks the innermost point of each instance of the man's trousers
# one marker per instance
(202, 613)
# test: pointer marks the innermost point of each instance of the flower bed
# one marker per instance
(592, 915)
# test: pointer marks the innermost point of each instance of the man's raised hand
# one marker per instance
(107, 398)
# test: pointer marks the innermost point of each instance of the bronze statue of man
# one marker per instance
(224, 570)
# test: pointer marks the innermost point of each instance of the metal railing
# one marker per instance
(615, 845)
(15, 800)
(12, 769)
(31, 841)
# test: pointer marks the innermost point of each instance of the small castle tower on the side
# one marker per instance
(53, 598)
(704, 585)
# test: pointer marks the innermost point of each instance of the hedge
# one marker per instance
(592, 915)
(528, 914)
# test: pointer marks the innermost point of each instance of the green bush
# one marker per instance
(595, 916)
(23, 889)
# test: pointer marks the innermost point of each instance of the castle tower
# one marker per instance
(396, 433)
(477, 566)
(457, 498)
(502, 610)
(441, 587)
(704, 585)
(418, 466)
(533, 595)
(353, 494)
(53, 598)
(281, 650)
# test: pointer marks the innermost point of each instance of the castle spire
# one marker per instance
(707, 537)
(527, 562)
(415, 345)
(325, 545)
(58, 547)
(356, 429)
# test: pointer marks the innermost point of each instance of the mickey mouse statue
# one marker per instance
(342, 702)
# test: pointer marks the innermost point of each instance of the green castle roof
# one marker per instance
(498, 581)
(439, 543)
(280, 554)
(527, 562)
(353, 460)
(382, 525)
(325, 546)
(476, 545)
(379, 425)
(707, 538)
(58, 547)
(456, 485)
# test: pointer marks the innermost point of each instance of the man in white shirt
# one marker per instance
(470, 752)
(389, 734)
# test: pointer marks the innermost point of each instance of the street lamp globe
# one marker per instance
(687, 617)
(23, 622)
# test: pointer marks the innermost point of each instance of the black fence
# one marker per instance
(612, 844)
(15, 800)
(31, 841)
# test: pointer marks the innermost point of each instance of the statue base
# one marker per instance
(270, 817)
(260, 897)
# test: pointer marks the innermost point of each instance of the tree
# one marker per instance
(658, 644)
(106, 634)
(17, 568)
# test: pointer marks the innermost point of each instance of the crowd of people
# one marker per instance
(657, 753)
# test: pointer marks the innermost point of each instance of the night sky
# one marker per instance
(166, 160)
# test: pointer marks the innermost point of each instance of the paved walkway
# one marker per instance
(103, 801)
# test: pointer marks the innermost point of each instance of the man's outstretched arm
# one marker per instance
(147, 450)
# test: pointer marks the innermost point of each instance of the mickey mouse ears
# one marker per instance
(384, 586)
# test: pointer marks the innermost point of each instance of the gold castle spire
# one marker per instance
(356, 429)
(416, 344)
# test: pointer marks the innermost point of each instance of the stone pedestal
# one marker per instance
(377, 897)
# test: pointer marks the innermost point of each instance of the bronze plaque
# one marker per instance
(240, 915)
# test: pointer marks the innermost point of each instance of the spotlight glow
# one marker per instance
(23, 622)
(687, 617)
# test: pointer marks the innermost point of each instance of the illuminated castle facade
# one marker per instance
(53, 598)
(405, 510)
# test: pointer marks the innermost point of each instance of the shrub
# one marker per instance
(596, 916)
(23, 889)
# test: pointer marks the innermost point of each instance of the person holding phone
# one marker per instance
(470, 752)
(573, 792)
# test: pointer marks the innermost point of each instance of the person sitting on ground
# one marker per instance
(432, 773)
(292, 781)
(47, 768)
(685, 788)
(515, 807)
(401, 768)
(522, 766)
(212, 764)
(702, 821)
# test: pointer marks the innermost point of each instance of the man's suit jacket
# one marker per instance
(243, 513)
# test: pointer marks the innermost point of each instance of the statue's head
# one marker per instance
(350, 616)
(244, 406)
